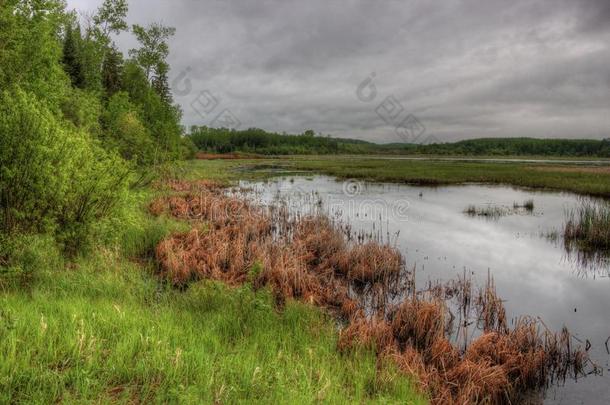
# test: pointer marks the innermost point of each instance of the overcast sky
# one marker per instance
(456, 69)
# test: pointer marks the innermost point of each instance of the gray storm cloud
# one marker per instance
(464, 69)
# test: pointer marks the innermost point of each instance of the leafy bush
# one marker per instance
(98, 182)
(32, 164)
(83, 109)
(124, 132)
(52, 178)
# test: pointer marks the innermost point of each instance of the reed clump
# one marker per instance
(370, 263)
(527, 205)
(312, 259)
(419, 323)
(493, 212)
(588, 226)
(302, 258)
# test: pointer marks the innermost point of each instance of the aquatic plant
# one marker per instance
(527, 205)
(491, 211)
(588, 226)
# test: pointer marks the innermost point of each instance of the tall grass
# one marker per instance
(588, 226)
(107, 332)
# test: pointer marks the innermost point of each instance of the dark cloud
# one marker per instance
(465, 68)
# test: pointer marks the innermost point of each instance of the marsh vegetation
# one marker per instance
(587, 230)
(494, 211)
(366, 285)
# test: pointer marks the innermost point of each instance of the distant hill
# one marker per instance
(255, 140)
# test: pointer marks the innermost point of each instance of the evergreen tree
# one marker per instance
(71, 57)
(112, 70)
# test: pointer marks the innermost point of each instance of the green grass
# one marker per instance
(106, 331)
(431, 172)
(104, 328)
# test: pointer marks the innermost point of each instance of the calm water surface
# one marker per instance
(533, 273)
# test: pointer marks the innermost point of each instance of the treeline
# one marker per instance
(511, 147)
(254, 140)
(80, 122)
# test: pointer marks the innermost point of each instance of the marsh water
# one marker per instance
(521, 249)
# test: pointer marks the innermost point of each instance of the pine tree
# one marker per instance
(112, 71)
(71, 56)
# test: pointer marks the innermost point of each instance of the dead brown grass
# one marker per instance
(370, 263)
(313, 260)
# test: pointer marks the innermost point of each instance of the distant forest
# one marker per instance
(259, 141)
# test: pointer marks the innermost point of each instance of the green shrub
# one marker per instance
(33, 167)
(98, 183)
(52, 178)
(124, 132)
(83, 109)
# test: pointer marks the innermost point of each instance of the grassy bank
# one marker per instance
(594, 180)
(103, 328)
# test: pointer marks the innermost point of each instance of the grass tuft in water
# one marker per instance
(588, 226)
(493, 212)
(527, 205)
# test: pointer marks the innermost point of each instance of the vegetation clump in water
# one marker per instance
(528, 205)
(588, 227)
(493, 212)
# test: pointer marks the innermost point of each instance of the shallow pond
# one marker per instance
(520, 248)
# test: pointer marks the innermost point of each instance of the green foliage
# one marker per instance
(110, 17)
(91, 53)
(223, 140)
(510, 147)
(30, 50)
(112, 70)
(160, 119)
(99, 182)
(71, 55)
(53, 178)
(124, 132)
(154, 48)
(188, 149)
(134, 82)
(160, 83)
(256, 140)
(33, 168)
(83, 109)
